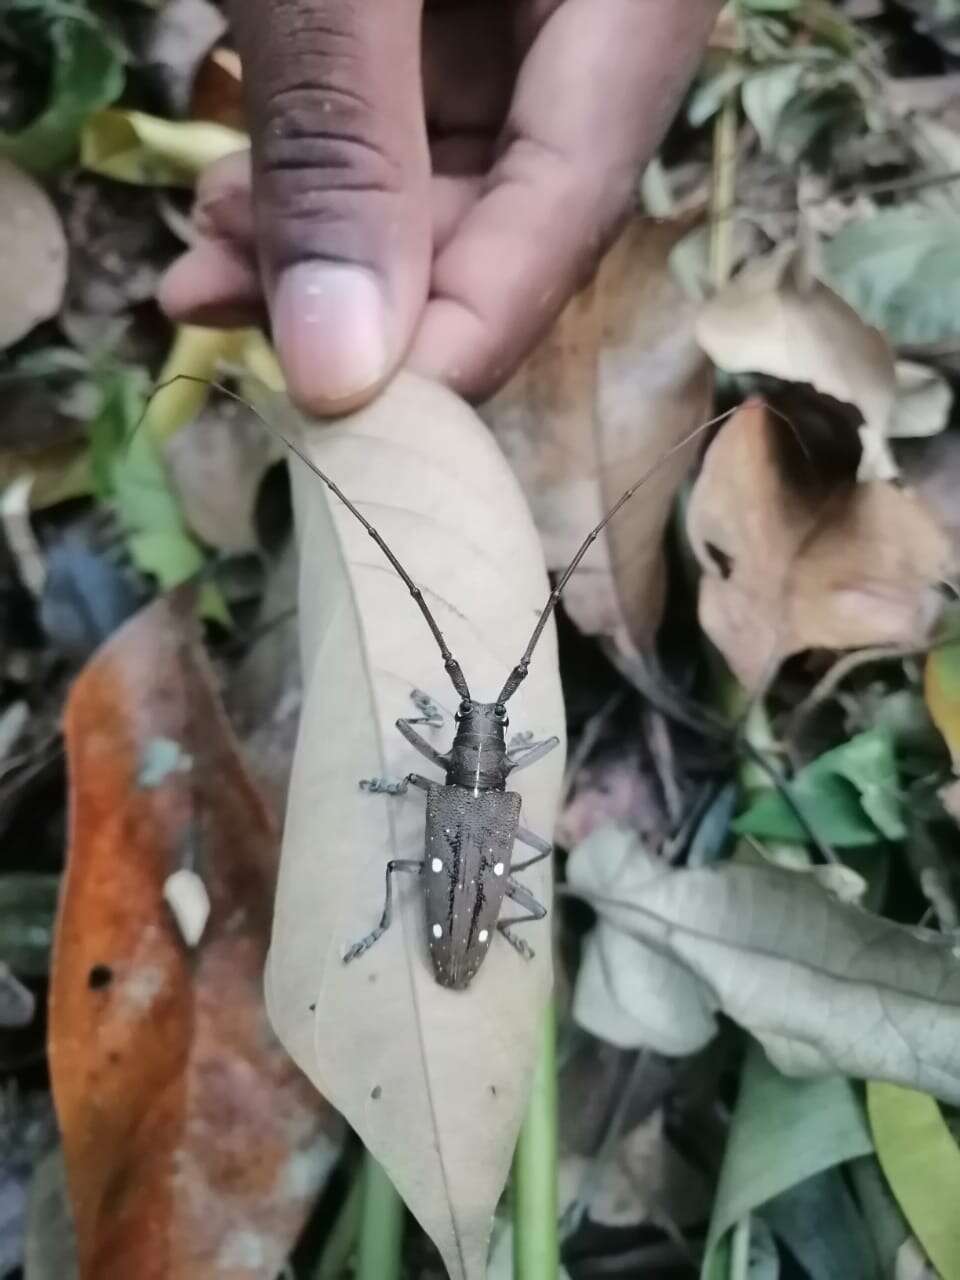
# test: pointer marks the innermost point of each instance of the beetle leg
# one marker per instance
(536, 751)
(358, 948)
(523, 898)
(385, 787)
(543, 847)
(421, 744)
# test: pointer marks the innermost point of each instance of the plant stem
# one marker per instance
(381, 1225)
(740, 1249)
(342, 1239)
(724, 192)
(536, 1251)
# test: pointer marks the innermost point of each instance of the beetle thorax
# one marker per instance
(478, 757)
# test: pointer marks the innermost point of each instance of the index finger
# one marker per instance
(594, 97)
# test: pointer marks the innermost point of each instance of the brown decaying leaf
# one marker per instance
(777, 318)
(789, 566)
(617, 383)
(33, 255)
(194, 1148)
(217, 90)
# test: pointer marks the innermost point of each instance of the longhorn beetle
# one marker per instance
(472, 820)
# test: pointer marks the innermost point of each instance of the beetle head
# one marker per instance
(488, 719)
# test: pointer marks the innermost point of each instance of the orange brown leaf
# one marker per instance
(194, 1147)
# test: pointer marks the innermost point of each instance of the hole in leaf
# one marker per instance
(100, 976)
(720, 558)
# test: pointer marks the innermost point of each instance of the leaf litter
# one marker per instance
(820, 568)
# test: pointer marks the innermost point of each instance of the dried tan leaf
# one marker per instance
(789, 566)
(217, 464)
(923, 404)
(777, 318)
(619, 381)
(434, 1081)
(33, 255)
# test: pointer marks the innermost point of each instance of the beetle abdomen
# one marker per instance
(469, 839)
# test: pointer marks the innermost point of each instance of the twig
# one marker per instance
(723, 192)
(587, 741)
(827, 684)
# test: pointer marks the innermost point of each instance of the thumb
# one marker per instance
(341, 187)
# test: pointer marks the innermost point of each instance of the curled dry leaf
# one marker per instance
(433, 1080)
(793, 562)
(33, 255)
(777, 318)
(217, 464)
(619, 381)
(193, 1145)
(868, 998)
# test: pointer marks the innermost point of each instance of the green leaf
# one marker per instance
(129, 469)
(122, 395)
(825, 986)
(783, 1131)
(901, 271)
(941, 688)
(820, 1224)
(849, 796)
(28, 904)
(919, 1156)
(87, 74)
(131, 146)
(712, 92)
(766, 95)
(885, 1222)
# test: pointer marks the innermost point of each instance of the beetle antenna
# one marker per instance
(519, 672)
(450, 663)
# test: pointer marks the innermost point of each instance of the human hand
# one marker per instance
(429, 186)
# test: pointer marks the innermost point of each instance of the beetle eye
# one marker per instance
(500, 711)
(464, 709)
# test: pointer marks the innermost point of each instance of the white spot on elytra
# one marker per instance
(436, 865)
(498, 869)
(483, 935)
(437, 931)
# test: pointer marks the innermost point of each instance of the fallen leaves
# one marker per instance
(193, 1146)
(618, 383)
(901, 270)
(868, 998)
(33, 255)
(793, 560)
(777, 318)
